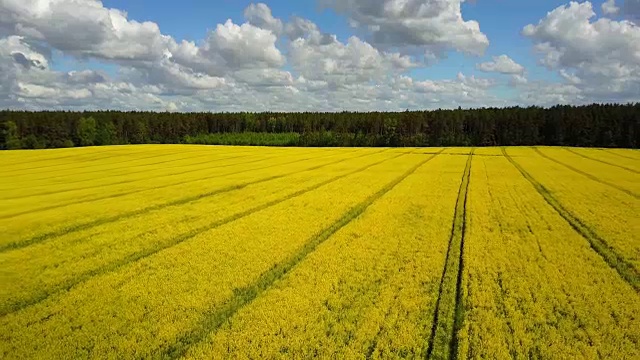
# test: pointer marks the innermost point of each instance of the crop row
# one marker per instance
(170, 292)
(376, 253)
(533, 286)
(605, 212)
(55, 215)
(71, 259)
(370, 291)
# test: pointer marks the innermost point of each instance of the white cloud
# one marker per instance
(609, 7)
(265, 77)
(299, 28)
(85, 77)
(465, 91)
(260, 15)
(601, 57)
(83, 28)
(87, 29)
(228, 48)
(14, 49)
(518, 79)
(39, 91)
(630, 9)
(434, 26)
(268, 64)
(543, 93)
(244, 46)
(174, 77)
(502, 64)
(339, 64)
(28, 82)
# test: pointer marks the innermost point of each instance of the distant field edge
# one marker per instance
(284, 140)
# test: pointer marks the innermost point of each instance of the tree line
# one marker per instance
(597, 125)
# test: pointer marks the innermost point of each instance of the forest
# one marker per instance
(596, 125)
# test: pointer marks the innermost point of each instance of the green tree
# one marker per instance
(106, 133)
(33, 142)
(391, 136)
(10, 136)
(87, 131)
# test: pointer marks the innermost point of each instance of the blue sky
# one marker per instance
(182, 60)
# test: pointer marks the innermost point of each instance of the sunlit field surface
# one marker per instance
(200, 252)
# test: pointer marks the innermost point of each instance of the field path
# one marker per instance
(448, 313)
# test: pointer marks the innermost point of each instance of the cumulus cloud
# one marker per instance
(85, 77)
(432, 25)
(243, 46)
(517, 80)
(265, 77)
(464, 86)
(14, 48)
(338, 63)
(609, 7)
(270, 64)
(47, 92)
(601, 57)
(84, 28)
(542, 93)
(629, 9)
(502, 64)
(465, 91)
(227, 50)
(28, 82)
(172, 77)
(260, 15)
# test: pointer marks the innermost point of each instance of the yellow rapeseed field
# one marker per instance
(201, 252)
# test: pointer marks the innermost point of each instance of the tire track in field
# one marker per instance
(602, 161)
(213, 320)
(144, 179)
(66, 286)
(609, 151)
(90, 199)
(598, 244)
(182, 201)
(447, 317)
(628, 192)
(94, 165)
